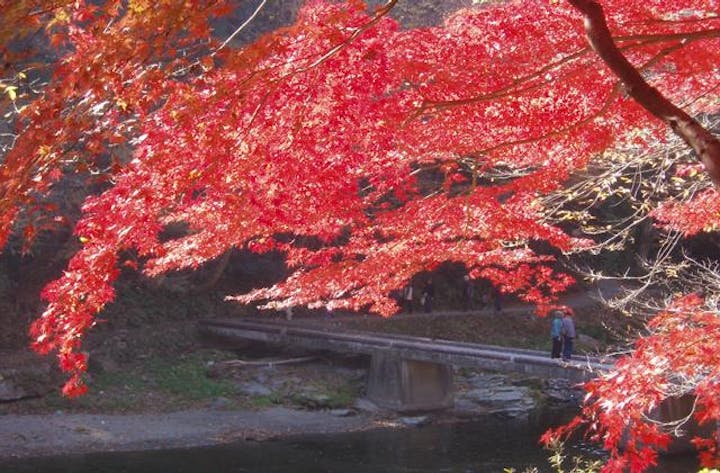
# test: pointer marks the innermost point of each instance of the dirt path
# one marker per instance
(23, 436)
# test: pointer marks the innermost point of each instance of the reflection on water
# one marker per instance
(487, 446)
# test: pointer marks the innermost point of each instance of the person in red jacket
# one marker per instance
(568, 334)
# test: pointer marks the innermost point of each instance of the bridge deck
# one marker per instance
(490, 357)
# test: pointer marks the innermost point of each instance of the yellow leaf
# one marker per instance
(44, 150)
(10, 90)
(138, 6)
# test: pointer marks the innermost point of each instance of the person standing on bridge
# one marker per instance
(556, 333)
(568, 333)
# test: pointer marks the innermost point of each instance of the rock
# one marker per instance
(416, 421)
(561, 390)
(342, 412)
(503, 395)
(464, 406)
(312, 399)
(486, 381)
(254, 389)
(220, 403)
(508, 401)
(513, 413)
(9, 391)
(366, 405)
(262, 376)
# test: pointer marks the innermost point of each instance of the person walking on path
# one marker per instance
(568, 333)
(497, 300)
(556, 333)
(407, 298)
(468, 293)
(428, 296)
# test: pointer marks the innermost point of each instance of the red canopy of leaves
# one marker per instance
(398, 149)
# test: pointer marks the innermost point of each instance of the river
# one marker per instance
(486, 446)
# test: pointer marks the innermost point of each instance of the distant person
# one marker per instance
(428, 296)
(468, 293)
(568, 334)
(407, 299)
(497, 300)
(556, 333)
(486, 298)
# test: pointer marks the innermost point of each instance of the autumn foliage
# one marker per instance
(391, 150)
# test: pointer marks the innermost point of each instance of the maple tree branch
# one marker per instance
(704, 143)
(641, 40)
(379, 14)
(584, 121)
(654, 38)
(241, 27)
(506, 91)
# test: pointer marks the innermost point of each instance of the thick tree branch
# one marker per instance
(704, 143)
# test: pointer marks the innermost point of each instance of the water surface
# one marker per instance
(476, 447)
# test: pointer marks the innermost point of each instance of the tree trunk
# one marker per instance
(704, 143)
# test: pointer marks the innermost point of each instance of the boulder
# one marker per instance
(364, 404)
(312, 400)
(506, 400)
(562, 391)
(415, 421)
(254, 389)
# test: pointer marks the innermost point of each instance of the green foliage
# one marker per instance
(157, 384)
(187, 379)
(262, 402)
(325, 396)
(559, 462)
(344, 396)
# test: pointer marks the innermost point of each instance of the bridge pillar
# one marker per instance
(409, 385)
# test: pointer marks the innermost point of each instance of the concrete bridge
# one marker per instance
(406, 373)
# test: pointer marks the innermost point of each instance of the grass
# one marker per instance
(157, 384)
(343, 396)
(169, 383)
(264, 402)
(325, 395)
(187, 378)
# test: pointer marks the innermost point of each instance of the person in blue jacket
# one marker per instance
(556, 333)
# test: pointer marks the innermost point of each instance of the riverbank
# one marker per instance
(24, 436)
(219, 402)
(479, 396)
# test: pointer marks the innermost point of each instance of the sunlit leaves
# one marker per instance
(366, 154)
(677, 358)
